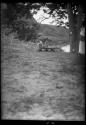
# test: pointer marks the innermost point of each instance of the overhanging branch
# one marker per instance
(45, 18)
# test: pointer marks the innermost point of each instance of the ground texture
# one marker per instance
(40, 85)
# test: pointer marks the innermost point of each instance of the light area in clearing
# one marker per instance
(81, 48)
(81, 44)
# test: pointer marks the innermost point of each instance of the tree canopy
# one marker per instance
(57, 10)
(18, 17)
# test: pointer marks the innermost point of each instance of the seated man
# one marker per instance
(40, 45)
(45, 44)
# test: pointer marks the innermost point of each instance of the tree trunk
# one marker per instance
(71, 27)
(79, 24)
(74, 28)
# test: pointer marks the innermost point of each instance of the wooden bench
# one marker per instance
(48, 48)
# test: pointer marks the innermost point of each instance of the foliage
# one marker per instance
(58, 11)
(25, 31)
(12, 17)
(13, 11)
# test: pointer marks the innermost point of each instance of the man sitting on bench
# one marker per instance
(45, 44)
(40, 45)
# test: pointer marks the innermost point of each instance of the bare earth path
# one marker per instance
(40, 85)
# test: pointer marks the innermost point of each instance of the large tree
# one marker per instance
(76, 16)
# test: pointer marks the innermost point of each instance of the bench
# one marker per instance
(48, 48)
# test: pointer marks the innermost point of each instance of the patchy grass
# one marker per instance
(40, 85)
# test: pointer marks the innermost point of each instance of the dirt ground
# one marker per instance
(40, 85)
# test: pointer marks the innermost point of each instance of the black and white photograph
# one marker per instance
(43, 61)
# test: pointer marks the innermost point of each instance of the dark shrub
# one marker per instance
(25, 31)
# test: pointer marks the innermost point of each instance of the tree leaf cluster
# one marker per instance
(26, 28)
(25, 31)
